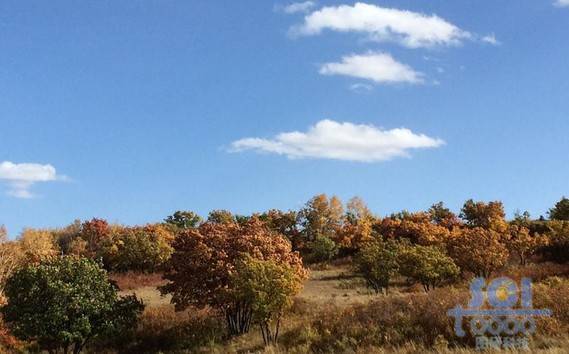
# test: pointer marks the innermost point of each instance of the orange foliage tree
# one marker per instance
(478, 250)
(205, 261)
(523, 243)
(486, 215)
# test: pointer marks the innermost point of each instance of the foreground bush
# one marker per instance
(269, 288)
(66, 302)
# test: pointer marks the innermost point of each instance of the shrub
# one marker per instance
(427, 265)
(377, 262)
(66, 302)
(322, 249)
(386, 322)
(269, 288)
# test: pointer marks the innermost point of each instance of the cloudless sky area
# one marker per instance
(137, 103)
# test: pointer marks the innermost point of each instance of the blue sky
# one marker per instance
(130, 110)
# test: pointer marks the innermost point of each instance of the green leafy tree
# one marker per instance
(269, 288)
(66, 302)
(428, 265)
(560, 211)
(377, 262)
(322, 249)
(184, 220)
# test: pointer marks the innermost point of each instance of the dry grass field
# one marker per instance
(331, 289)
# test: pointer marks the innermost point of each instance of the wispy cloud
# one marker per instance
(346, 141)
(361, 87)
(21, 177)
(561, 3)
(491, 39)
(377, 67)
(298, 7)
(410, 29)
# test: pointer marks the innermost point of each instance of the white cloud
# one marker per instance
(408, 28)
(561, 3)
(21, 177)
(491, 39)
(341, 141)
(299, 7)
(377, 67)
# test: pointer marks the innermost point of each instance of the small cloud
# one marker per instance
(361, 87)
(346, 141)
(376, 67)
(491, 39)
(21, 177)
(440, 70)
(410, 29)
(297, 7)
(561, 3)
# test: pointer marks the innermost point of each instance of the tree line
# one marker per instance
(248, 268)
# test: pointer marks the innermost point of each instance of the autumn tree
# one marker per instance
(10, 258)
(377, 261)
(138, 248)
(557, 234)
(94, 233)
(37, 245)
(284, 223)
(269, 288)
(478, 250)
(524, 244)
(205, 259)
(66, 302)
(220, 217)
(443, 216)
(184, 220)
(321, 216)
(414, 227)
(357, 227)
(428, 265)
(486, 215)
(67, 237)
(560, 211)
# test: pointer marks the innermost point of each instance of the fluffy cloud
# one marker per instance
(299, 7)
(377, 67)
(341, 141)
(408, 28)
(21, 177)
(562, 3)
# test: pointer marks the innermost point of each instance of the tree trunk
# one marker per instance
(239, 319)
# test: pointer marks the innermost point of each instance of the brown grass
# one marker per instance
(133, 280)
